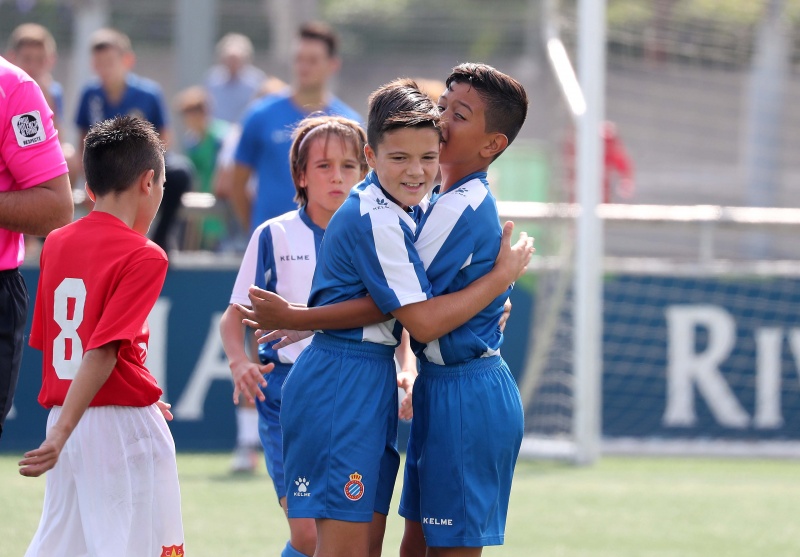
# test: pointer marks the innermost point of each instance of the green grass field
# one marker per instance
(621, 507)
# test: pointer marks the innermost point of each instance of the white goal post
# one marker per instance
(585, 96)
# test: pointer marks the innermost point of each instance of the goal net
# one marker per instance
(701, 292)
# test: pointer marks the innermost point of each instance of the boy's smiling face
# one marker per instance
(406, 162)
(463, 124)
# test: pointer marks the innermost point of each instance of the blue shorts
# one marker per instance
(465, 438)
(339, 422)
(269, 426)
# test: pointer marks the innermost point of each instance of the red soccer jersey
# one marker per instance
(99, 280)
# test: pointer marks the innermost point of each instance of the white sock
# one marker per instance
(247, 427)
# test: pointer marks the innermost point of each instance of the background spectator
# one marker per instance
(267, 128)
(178, 178)
(234, 81)
(117, 90)
(202, 141)
(615, 161)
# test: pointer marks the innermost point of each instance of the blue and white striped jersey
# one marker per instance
(368, 249)
(458, 241)
(281, 258)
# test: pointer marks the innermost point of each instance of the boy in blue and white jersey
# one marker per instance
(468, 419)
(326, 161)
(341, 452)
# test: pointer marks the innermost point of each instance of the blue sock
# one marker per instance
(289, 551)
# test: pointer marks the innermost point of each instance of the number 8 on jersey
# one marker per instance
(70, 298)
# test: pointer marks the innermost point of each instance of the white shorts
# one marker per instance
(114, 489)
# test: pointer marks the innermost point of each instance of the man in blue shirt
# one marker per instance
(266, 134)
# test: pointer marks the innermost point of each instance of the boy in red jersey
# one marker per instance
(113, 484)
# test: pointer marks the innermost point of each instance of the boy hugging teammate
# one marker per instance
(457, 331)
(468, 419)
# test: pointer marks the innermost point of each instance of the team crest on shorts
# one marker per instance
(354, 489)
(171, 551)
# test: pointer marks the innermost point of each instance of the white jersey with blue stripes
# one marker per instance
(458, 241)
(280, 257)
(368, 249)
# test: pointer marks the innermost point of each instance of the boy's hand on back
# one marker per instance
(512, 261)
(505, 316)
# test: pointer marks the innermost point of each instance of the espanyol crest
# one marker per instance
(354, 489)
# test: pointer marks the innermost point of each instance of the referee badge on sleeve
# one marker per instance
(28, 128)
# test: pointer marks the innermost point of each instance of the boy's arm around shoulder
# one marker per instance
(270, 312)
(94, 370)
(426, 321)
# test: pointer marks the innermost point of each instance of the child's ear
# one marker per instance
(369, 153)
(147, 181)
(89, 192)
(496, 144)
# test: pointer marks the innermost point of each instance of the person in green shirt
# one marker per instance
(203, 140)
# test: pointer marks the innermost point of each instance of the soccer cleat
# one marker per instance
(244, 460)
